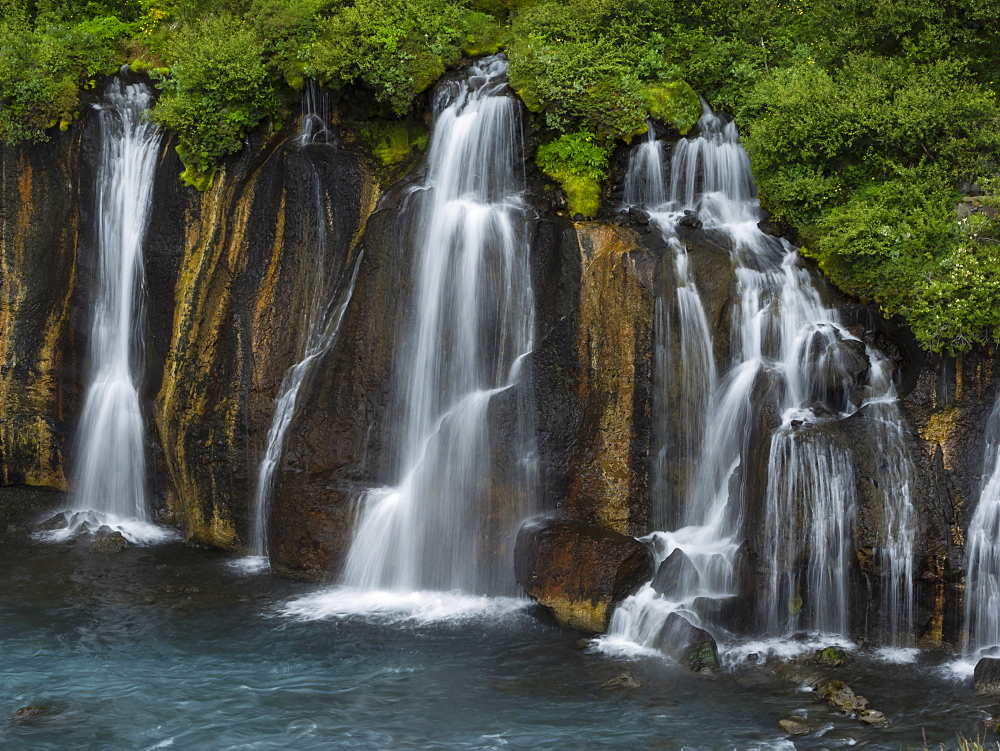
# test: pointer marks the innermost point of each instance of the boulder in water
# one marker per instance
(986, 678)
(673, 573)
(579, 571)
(796, 725)
(692, 647)
(842, 697)
(109, 542)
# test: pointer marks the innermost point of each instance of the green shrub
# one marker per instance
(674, 102)
(578, 164)
(217, 91)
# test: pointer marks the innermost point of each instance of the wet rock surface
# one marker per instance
(986, 678)
(579, 571)
(690, 646)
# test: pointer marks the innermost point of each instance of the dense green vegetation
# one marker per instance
(866, 120)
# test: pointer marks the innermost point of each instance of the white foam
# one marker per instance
(897, 655)
(781, 648)
(250, 564)
(960, 669)
(403, 607)
(81, 523)
(620, 647)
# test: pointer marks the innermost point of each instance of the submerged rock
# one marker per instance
(625, 680)
(673, 573)
(579, 571)
(33, 712)
(796, 725)
(692, 647)
(986, 678)
(109, 542)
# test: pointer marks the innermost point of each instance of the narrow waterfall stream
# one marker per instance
(789, 353)
(982, 588)
(109, 479)
(325, 312)
(443, 525)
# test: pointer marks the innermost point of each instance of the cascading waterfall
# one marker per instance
(982, 584)
(444, 525)
(789, 351)
(110, 473)
(321, 326)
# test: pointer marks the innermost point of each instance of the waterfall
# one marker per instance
(791, 358)
(445, 524)
(982, 583)
(322, 322)
(110, 468)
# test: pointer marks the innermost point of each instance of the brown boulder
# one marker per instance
(579, 571)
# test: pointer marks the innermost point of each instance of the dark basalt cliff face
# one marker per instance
(230, 276)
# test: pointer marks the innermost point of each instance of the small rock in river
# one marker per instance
(874, 718)
(190, 589)
(796, 725)
(625, 680)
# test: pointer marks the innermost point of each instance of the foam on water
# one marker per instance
(136, 531)
(420, 607)
(250, 564)
(780, 648)
(960, 669)
(898, 655)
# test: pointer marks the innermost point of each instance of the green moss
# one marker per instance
(392, 142)
(675, 103)
(200, 181)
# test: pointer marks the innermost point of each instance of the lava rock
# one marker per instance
(842, 697)
(578, 571)
(874, 718)
(796, 725)
(986, 678)
(690, 219)
(673, 573)
(639, 216)
(109, 542)
(692, 647)
(625, 680)
(59, 521)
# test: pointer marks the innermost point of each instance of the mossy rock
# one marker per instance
(674, 102)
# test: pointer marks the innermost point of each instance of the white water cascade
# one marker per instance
(109, 485)
(445, 524)
(321, 324)
(982, 584)
(789, 356)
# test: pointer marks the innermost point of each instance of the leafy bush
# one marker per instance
(218, 90)
(578, 164)
(43, 69)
